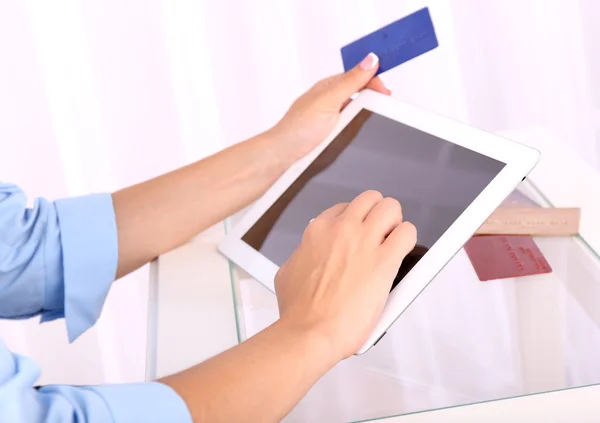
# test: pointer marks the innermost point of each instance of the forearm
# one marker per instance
(160, 214)
(260, 380)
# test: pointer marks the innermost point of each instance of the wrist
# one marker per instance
(312, 342)
(283, 150)
(264, 149)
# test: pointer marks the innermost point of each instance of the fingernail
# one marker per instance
(369, 62)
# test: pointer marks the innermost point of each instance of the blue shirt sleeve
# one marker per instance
(57, 259)
(20, 402)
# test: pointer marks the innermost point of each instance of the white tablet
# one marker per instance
(449, 178)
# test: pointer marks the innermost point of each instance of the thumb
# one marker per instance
(355, 79)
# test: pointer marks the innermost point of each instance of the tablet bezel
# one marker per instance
(519, 160)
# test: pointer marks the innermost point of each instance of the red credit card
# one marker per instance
(501, 257)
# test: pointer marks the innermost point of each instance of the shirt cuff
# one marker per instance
(88, 234)
(151, 402)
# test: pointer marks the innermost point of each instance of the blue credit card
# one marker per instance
(395, 43)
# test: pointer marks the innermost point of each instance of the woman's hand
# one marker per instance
(313, 116)
(336, 283)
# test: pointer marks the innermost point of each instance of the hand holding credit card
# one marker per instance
(395, 43)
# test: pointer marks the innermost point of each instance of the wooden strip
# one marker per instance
(532, 221)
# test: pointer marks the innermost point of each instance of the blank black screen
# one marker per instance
(434, 180)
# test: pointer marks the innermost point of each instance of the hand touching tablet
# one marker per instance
(338, 280)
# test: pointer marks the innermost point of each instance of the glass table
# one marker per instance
(461, 342)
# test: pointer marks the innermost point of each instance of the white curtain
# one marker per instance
(97, 95)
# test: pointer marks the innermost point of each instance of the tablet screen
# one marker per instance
(434, 180)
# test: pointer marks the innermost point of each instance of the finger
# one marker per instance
(362, 205)
(334, 211)
(376, 84)
(345, 104)
(351, 82)
(401, 241)
(383, 218)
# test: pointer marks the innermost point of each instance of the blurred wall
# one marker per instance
(97, 95)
